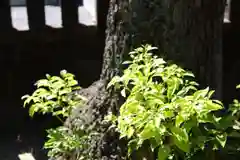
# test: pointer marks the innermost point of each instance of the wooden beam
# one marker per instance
(36, 14)
(5, 15)
(69, 13)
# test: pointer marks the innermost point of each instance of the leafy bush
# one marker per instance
(55, 95)
(164, 111)
(63, 141)
(164, 108)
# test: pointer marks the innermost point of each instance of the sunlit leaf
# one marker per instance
(114, 80)
(163, 152)
(42, 83)
(123, 92)
(201, 93)
(238, 86)
(130, 132)
(148, 132)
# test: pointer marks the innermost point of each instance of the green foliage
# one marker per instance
(55, 95)
(231, 123)
(163, 111)
(62, 141)
(164, 108)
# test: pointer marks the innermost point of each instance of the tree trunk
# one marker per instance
(194, 39)
(188, 31)
(101, 101)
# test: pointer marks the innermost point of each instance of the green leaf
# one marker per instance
(238, 86)
(163, 152)
(190, 124)
(200, 141)
(127, 62)
(236, 125)
(148, 132)
(42, 83)
(234, 134)
(158, 61)
(65, 91)
(222, 138)
(114, 80)
(130, 132)
(210, 94)
(182, 145)
(56, 79)
(179, 120)
(168, 114)
(57, 85)
(201, 93)
(139, 96)
(132, 144)
(27, 101)
(180, 137)
(72, 83)
(60, 112)
(186, 90)
(173, 85)
(188, 74)
(48, 76)
(63, 72)
(123, 92)
(41, 92)
(25, 96)
(193, 83)
(33, 109)
(153, 144)
(226, 122)
(206, 118)
(210, 106)
(180, 133)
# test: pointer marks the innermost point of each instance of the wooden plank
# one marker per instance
(235, 12)
(102, 11)
(5, 15)
(80, 2)
(36, 14)
(69, 13)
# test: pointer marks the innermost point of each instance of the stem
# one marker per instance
(60, 119)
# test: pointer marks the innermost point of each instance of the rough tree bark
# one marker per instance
(188, 31)
(195, 40)
(100, 100)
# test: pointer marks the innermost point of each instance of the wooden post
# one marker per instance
(235, 13)
(36, 14)
(102, 11)
(5, 15)
(80, 2)
(69, 13)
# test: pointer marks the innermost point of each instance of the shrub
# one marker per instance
(164, 112)
(164, 109)
(55, 95)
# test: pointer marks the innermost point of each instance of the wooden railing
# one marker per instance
(36, 13)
